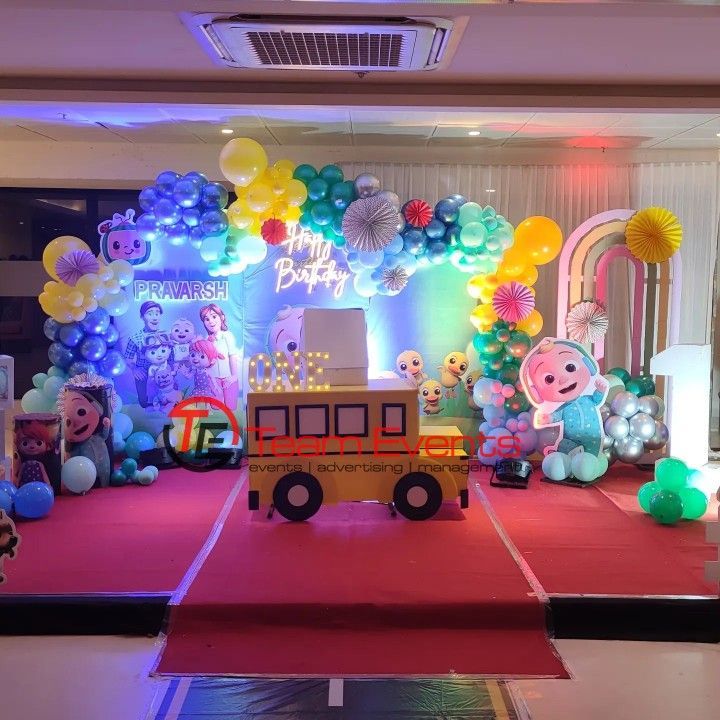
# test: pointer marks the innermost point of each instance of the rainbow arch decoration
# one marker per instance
(584, 263)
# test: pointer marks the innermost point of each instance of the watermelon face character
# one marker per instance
(119, 240)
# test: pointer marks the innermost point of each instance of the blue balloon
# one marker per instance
(60, 355)
(6, 502)
(93, 348)
(214, 195)
(111, 335)
(34, 500)
(414, 241)
(186, 193)
(213, 222)
(452, 235)
(137, 443)
(458, 198)
(371, 259)
(96, 322)
(394, 246)
(198, 177)
(438, 253)
(122, 424)
(435, 229)
(148, 197)
(392, 261)
(178, 234)
(447, 211)
(71, 335)
(9, 488)
(191, 217)
(165, 183)
(148, 227)
(112, 365)
(168, 212)
(51, 328)
(81, 366)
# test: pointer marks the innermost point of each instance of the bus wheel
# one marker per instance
(297, 496)
(417, 496)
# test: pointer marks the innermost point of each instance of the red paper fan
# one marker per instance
(418, 213)
(513, 302)
(274, 231)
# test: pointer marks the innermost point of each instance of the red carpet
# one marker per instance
(120, 540)
(596, 540)
(355, 592)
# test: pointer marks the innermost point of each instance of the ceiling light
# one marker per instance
(473, 133)
(227, 131)
(718, 134)
(489, 189)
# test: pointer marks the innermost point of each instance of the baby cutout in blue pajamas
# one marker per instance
(582, 424)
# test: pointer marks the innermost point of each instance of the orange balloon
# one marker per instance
(528, 276)
(514, 260)
(540, 238)
(532, 324)
(482, 317)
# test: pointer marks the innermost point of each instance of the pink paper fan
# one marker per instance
(587, 322)
(72, 266)
(513, 302)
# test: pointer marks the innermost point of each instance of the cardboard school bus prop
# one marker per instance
(351, 443)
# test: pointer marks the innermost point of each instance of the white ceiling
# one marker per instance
(308, 125)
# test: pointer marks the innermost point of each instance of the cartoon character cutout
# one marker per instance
(286, 332)
(182, 334)
(452, 369)
(409, 364)
(33, 442)
(9, 541)
(469, 385)
(167, 395)
(430, 393)
(565, 385)
(156, 350)
(203, 356)
(119, 239)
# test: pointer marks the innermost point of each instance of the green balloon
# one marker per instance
(646, 493)
(342, 194)
(694, 503)
(622, 373)
(470, 212)
(322, 213)
(305, 173)
(118, 478)
(473, 235)
(634, 386)
(503, 335)
(317, 189)
(332, 174)
(487, 343)
(671, 474)
(666, 507)
(508, 375)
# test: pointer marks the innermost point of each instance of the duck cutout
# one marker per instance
(409, 364)
(451, 371)
(430, 393)
(469, 385)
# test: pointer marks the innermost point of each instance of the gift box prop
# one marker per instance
(36, 451)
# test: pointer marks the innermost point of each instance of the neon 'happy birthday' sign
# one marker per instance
(318, 268)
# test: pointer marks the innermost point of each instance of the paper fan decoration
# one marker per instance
(274, 231)
(653, 235)
(513, 302)
(418, 213)
(395, 279)
(369, 224)
(72, 266)
(587, 322)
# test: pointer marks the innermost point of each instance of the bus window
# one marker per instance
(272, 420)
(312, 420)
(351, 420)
(393, 419)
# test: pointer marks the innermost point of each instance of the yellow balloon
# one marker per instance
(259, 196)
(279, 210)
(514, 260)
(532, 324)
(240, 192)
(528, 276)
(78, 314)
(90, 305)
(75, 299)
(486, 294)
(296, 192)
(255, 227)
(58, 247)
(239, 214)
(105, 273)
(475, 285)
(284, 168)
(482, 317)
(242, 160)
(540, 238)
(293, 214)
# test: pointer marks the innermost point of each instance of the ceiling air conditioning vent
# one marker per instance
(327, 43)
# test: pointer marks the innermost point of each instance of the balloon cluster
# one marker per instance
(128, 472)
(674, 494)
(632, 423)
(32, 500)
(43, 396)
(88, 346)
(582, 466)
(81, 282)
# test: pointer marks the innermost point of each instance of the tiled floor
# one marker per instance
(105, 678)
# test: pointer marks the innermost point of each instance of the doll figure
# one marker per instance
(469, 385)
(167, 395)
(453, 368)
(565, 385)
(203, 356)
(182, 333)
(430, 393)
(86, 428)
(33, 442)
(409, 364)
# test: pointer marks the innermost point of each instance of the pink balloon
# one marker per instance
(498, 400)
(507, 391)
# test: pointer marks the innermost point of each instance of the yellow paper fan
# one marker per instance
(653, 235)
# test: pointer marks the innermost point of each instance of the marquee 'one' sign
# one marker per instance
(300, 371)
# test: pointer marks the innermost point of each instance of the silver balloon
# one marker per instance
(660, 403)
(615, 385)
(629, 449)
(391, 197)
(366, 185)
(617, 427)
(659, 438)
(648, 404)
(625, 404)
(642, 426)
(610, 454)
(605, 412)
(608, 441)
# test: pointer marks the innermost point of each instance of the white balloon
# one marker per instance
(78, 474)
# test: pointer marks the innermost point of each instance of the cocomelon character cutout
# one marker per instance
(453, 367)
(182, 333)
(286, 332)
(87, 426)
(36, 455)
(119, 239)
(167, 395)
(204, 356)
(409, 364)
(430, 393)
(564, 383)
